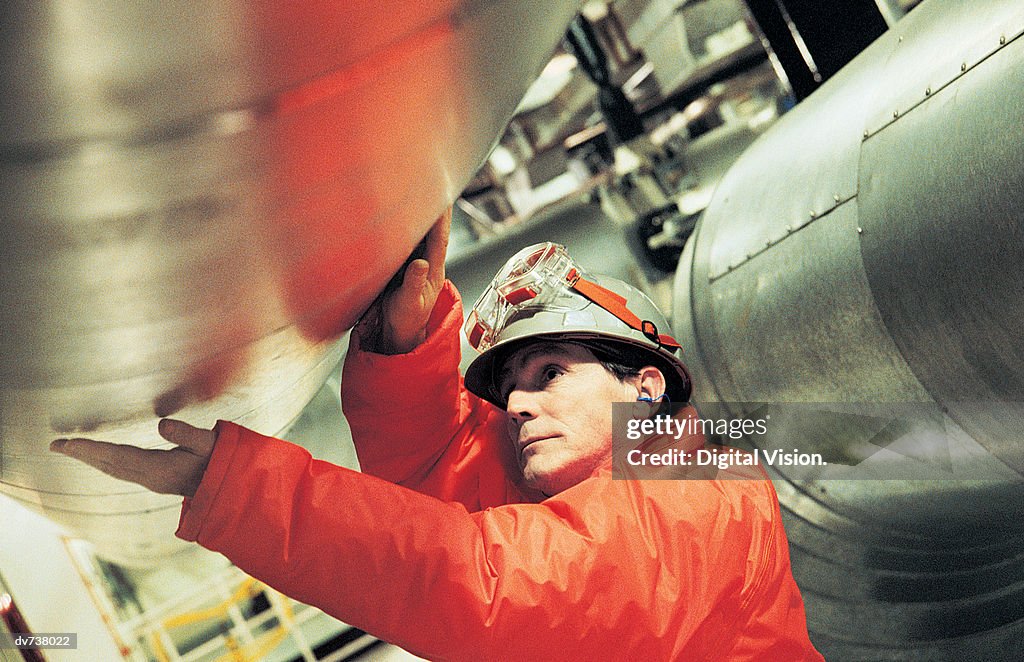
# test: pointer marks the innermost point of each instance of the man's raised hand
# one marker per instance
(399, 318)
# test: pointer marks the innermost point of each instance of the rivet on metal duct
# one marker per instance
(927, 91)
(963, 66)
(860, 230)
(1002, 39)
(895, 114)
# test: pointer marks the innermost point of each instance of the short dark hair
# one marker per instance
(624, 366)
(614, 365)
(618, 364)
(610, 360)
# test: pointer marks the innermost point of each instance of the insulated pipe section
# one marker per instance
(867, 249)
(200, 198)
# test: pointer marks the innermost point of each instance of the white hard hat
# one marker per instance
(541, 294)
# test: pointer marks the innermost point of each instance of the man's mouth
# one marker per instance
(532, 440)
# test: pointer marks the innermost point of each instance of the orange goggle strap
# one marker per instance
(616, 305)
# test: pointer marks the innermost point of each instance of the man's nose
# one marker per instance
(521, 406)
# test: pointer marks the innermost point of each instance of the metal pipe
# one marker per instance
(867, 249)
(798, 40)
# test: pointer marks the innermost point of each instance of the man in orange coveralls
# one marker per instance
(497, 532)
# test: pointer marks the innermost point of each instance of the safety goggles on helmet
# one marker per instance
(544, 276)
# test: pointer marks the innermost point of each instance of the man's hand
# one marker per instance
(175, 471)
(397, 322)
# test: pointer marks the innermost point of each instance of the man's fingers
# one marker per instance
(399, 318)
(437, 247)
(197, 440)
(409, 310)
(177, 471)
(412, 284)
(118, 460)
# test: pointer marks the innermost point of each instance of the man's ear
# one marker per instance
(651, 382)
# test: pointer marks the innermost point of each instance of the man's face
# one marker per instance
(560, 409)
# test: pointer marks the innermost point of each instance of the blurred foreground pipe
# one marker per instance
(199, 198)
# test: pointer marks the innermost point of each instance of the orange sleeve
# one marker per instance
(608, 569)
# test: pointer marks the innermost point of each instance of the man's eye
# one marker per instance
(550, 373)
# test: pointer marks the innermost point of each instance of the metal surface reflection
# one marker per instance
(200, 199)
